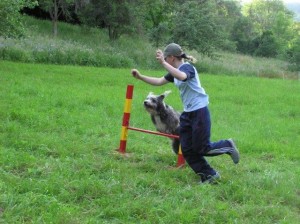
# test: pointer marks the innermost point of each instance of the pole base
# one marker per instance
(180, 161)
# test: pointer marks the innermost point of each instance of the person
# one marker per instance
(195, 122)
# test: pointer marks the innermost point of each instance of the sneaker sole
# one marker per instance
(235, 155)
(213, 180)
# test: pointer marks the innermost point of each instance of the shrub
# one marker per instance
(60, 52)
(266, 45)
(294, 58)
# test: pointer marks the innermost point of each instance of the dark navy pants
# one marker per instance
(195, 142)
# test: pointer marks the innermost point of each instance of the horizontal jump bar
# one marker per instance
(153, 132)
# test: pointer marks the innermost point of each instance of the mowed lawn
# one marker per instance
(60, 127)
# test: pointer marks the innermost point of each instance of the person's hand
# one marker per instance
(135, 73)
(160, 56)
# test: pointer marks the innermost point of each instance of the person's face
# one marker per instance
(170, 59)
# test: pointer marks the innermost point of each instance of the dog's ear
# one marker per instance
(166, 93)
(150, 94)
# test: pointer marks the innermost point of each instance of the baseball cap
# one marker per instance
(173, 50)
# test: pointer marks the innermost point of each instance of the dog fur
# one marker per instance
(163, 116)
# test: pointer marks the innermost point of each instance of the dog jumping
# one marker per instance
(163, 116)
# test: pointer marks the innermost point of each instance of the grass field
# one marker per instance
(60, 128)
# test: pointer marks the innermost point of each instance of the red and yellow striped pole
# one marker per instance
(126, 117)
(180, 158)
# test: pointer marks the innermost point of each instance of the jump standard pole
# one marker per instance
(180, 158)
(126, 118)
(126, 127)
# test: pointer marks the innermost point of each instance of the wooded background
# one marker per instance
(265, 28)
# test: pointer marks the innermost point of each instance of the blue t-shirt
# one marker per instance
(192, 94)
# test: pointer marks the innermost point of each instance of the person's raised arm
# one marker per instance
(147, 79)
(171, 69)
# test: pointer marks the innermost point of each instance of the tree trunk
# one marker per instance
(55, 17)
(54, 27)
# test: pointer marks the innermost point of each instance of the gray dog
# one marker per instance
(163, 116)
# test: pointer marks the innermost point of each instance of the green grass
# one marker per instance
(60, 127)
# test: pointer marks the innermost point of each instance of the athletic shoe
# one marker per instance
(235, 155)
(211, 179)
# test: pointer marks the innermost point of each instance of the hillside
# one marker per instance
(77, 45)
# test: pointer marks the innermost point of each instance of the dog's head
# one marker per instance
(154, 103)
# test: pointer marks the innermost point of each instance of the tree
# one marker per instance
(155, 16)
(295, 56)
(196, 26)
(242, 34)
(264, 13)
(229, 12)
(266, 45)
(113, 15)
(283, 31)
(56, 8)
(272, 16)
(294, 51)
(10, 18)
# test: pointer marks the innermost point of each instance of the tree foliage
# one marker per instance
(156, 18)
(243, 35)
(113, 15)
(10, 19)
(228, 12)
(196, 26)
(266, 45)
(294, 51)
(272, 16)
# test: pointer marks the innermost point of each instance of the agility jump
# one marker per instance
(126, 127)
